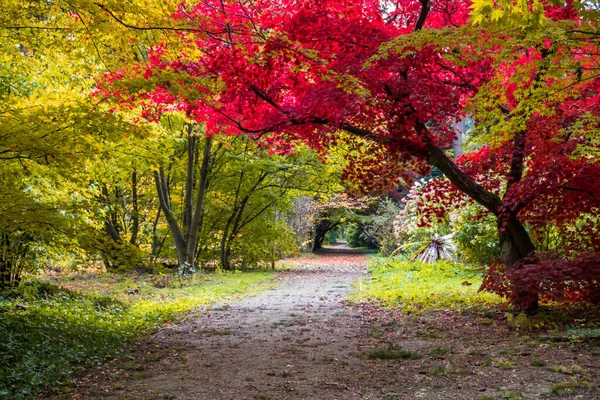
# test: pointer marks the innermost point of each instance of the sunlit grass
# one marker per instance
(48, 331)
(419, 287)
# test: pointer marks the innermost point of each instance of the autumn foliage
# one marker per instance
(399, 74)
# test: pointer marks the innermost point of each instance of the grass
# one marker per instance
(419, 287)
(53, 328)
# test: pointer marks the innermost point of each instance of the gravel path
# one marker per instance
(301, 341)
(293, 341)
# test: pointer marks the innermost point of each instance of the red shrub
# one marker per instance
(553, 279)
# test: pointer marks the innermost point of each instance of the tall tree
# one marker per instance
(185, 234)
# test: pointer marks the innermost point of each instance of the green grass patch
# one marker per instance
(419, 287)
(51, 329)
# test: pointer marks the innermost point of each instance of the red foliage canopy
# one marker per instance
(398, 73)
(288, 71)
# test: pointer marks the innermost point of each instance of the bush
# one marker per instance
(475, 234)
(552, 279)
(357, 237)
(381, 227)
(17, 256)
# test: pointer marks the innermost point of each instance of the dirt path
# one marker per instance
(301, 341)
(293, 341)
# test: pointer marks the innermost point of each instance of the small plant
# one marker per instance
(538, 363)
(153, 357)
(512, 351)
(560, 369)
(563, 388)
(392, 353)
(132, 366)
(520, 322)
(508, 395)
(505, 364)
(439, 351)
(141, 375)
(439, 371)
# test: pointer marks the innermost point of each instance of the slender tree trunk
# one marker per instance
(189, 182)
(135, 216)
(154, 245)
(163, 199)
(196, 221)
(224, 252)
(110, 220)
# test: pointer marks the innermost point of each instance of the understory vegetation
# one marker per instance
(55, 327)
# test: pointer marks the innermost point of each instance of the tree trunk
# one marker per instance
(155, 245)
(515, 244)
(163, 199)
(224, 248)
(189, 183)
(321, 230)
(135, 216)
(196, 221)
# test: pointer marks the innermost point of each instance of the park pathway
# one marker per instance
(300, 340)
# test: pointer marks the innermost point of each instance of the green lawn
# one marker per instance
(418, 287)
(53, 328)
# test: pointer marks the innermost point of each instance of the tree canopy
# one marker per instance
(399, 74)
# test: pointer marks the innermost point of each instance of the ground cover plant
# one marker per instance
(55, 327)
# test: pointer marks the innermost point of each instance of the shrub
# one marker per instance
(381, 227)
(475, 234)
(17, 255)
(552, 279)
(357, 237)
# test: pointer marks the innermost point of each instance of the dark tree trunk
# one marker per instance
(110, 222)
(163, 196)
(135, 215)
(515, 244)
(225, 249)
(321, 230)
